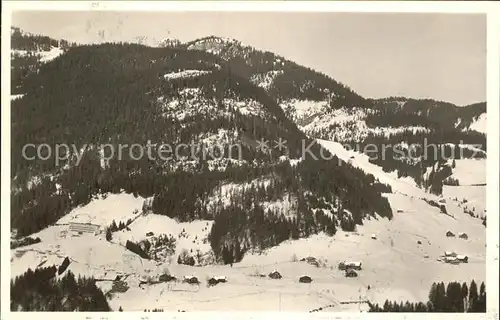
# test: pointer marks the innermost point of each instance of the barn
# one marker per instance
(191, 280)
(450, 234)
(275, 275)
(452, 260)
(76, 228)
(311, 260)
(166, 278)
(462, 258)
(463, 235)
(216, 280)
(356, 265)
(305, 279)
(351, 273)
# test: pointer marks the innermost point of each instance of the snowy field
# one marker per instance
(399, 257)
(470, 171)
(471, 175)
(117, 207)
(480, 124)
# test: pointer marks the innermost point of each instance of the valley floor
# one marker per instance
(399, 259)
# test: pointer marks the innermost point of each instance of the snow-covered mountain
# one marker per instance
(226, 205)
(326, 109)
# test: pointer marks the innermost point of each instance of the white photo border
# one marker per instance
(492, 9)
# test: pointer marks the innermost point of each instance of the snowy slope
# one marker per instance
(105, 209)
(191, 236)
(480, 124)
(471, 174)
(470, 171)
(316, 120)
(395, 265)
(406, 186)
(89, 255)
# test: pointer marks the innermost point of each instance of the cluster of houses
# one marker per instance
(276, 275)
(350, 268)
(453, 258)
(193, 279)
(462, 235)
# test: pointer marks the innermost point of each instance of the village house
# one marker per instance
(216, 280)
(450, 234)
(76, 228)
(191, 280)
(462, 258)
(344, 265)
(350, 273)
(275, 275)
(311, 261)
(452, 260)
(166, 278)
(463, 235)
(305, 279)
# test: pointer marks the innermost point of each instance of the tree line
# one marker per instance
(453, 297)
(40, 290)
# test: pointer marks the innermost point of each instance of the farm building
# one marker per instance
(351, 273)
(166, 278)
(452, 260)
(462, 258)
(83, 228)
(191, 280)
(275, 275)
(450, 234)
(311, 260)
(212, 282)
(305, 279)
(463, 235)
(216, 280)
(374, 237)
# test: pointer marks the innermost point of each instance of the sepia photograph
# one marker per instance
(256, 161)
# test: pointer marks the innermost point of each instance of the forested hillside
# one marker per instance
(454, 297)
(121, 94)
(41, 290)
(327, 109)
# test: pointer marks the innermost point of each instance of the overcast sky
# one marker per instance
(439, 56)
